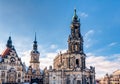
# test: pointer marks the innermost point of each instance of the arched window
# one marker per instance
(77, 62)
(19, 75)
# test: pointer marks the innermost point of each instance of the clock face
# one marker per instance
(35, 57)
(12, 59)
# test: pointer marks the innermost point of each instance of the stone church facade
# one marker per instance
(70, 67)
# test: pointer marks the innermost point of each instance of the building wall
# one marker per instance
(63, 74)
(8, 67)
(113, 78)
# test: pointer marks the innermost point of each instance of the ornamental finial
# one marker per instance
(75, 17)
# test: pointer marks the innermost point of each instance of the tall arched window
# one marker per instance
(19, 75)
(77, 62)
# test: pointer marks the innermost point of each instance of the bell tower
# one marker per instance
(75, 43)
(75, 39)
(34, 62)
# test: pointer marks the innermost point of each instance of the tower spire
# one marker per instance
(9, 42)
(35, 43)
(35, 36)
(75, 39)
(75, 11)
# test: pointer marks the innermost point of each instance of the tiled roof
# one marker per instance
(5, 52)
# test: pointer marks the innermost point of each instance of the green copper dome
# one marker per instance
(9, 42)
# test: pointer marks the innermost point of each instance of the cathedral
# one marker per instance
(68, 68)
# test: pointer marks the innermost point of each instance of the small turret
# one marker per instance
(9, 42)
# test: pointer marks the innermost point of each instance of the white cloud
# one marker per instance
(90, 32)
(61, 50)
(112, 44)
(47, 61)
(102, 64)
(25, 57)
(83, 14)
(53, 46)
(49, 57)
(2, 46)
(87, 38)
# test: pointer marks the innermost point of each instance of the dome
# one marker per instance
(117, 72)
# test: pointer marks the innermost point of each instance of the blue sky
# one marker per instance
(50, 19)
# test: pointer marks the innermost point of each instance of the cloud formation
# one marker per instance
(53, 46)
(83, 14)
(112, 44)
(102, 64)
(1, 47)
(88, 39)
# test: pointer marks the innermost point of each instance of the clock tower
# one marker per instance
(34, 62)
